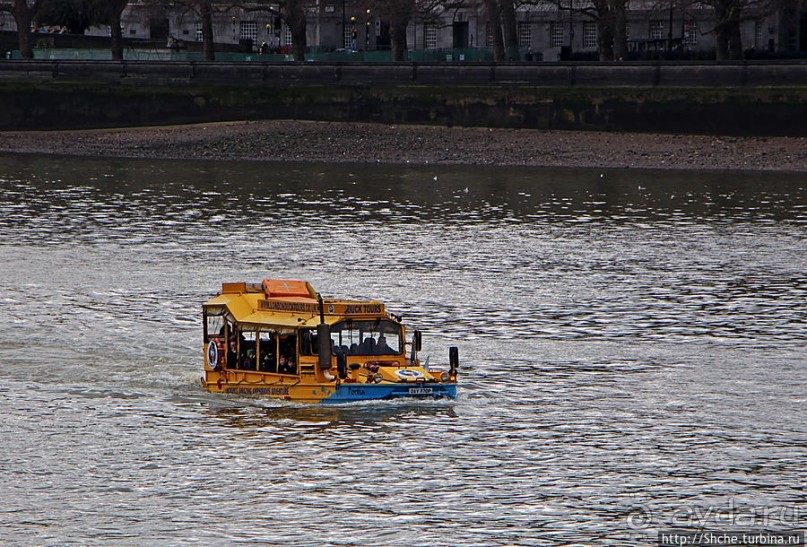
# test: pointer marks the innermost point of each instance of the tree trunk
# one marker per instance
(605, 42)
(605, 33)
(735, 36)
(397, 34)
(295, 18)
(728, 44)
(398, 12)
(299, 40)
(620, 38)
(508, 15)
(206, 13)
(115, 11)
(495, 22)
(23, 15)
(721, 38)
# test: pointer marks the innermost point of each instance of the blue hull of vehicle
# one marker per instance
(347, 393)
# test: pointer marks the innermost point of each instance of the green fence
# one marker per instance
(341, 56)
(146, 55)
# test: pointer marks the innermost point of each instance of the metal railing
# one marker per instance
(634, 74)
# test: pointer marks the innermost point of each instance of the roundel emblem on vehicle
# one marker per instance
(331, 308)
(212, 354)
(409, 374)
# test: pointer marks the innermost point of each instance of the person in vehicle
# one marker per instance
(381, 347)
(249, 360)
(232, 353)
(268, 363)
(284, 366)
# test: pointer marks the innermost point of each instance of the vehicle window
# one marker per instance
(215, 326)
(268, 352)
(308, 342)
(373, 337)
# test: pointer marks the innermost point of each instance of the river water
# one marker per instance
(632, 349)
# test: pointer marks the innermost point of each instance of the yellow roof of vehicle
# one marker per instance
(286, 303)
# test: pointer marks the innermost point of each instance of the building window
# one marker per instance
(430, 35)
(287, 34)
(690, 33)
(556, 34)
(589, 34)
(199, 34)
(758, 26)
(524, 34)
(489, 36)
(347, 39)
(656, 30)
(627, 30)
(249, 30)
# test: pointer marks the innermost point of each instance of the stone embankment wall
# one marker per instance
(747, 98)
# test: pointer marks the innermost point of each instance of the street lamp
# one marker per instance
(367, 30)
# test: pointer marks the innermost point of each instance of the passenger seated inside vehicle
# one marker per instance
(367, 346)
(232, 353)
(268, 362)
(381, 347)
(285, 367)
(249, 360)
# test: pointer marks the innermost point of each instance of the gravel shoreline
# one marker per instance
(290, 140)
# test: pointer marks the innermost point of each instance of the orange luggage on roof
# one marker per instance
(286, 288)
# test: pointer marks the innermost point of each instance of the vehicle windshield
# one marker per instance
(373, 337)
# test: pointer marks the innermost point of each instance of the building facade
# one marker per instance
(462, 32)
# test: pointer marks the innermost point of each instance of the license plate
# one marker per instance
(420, 391)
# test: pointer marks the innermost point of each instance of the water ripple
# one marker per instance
(632, 354)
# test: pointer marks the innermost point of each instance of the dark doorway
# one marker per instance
(158, 29)
(803, 32)
(383, 40)
(460, 35)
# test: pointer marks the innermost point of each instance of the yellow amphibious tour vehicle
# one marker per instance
(281, 339)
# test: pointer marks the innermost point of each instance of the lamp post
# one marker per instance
(367, 30)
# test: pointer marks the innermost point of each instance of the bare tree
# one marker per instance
(507, 12)
(23, 12)
(111, 11)
(620, 36)
(728, 43)
(729, 15)
(495, 22)
(501, 15)
(203, 9)
(294, 15)
(610, 18)
(399, 13)
(79, 15)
